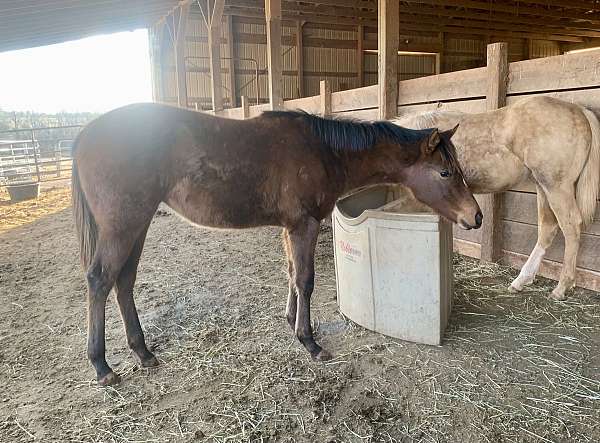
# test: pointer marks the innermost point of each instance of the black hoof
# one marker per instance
(109, 379)
(323, 355)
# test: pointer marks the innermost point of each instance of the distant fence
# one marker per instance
(512, 232)
(36, 155)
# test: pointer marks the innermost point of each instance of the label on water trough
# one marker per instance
(351, 250)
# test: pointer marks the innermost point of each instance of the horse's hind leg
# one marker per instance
(111, 253)
(567, 213)
(546, 232)
(292, 300)
(303, 241)
(124, 289)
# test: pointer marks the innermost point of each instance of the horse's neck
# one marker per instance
(370, 168)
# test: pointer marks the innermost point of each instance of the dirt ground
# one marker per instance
(513, 368)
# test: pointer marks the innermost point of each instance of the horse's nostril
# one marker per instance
(478, 218)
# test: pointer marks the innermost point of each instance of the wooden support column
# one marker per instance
(214, 52)
(497, 71)
(275, 79)
(388, 35)
(180, 18)
(231, 61)
(529, 49)
(245, 107)
(325, 92)
(360, 55)
(156, 40)
(300, 57)
(439, 55)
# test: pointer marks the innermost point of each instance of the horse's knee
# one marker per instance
(305, 283)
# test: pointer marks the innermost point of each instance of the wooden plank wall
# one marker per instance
(328, 52)
(571, 77)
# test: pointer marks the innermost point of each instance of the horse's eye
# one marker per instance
(445, 173)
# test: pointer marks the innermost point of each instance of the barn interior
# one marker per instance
(513, 367)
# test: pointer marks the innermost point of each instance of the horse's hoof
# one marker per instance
(323, 355)
(514, 289)
(109, 379)
(558, 295)
(150, 362)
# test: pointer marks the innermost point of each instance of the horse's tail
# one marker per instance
(87, 230)
(589, 179)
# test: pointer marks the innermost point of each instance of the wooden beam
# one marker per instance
(512, 22)
(415, 24)
(588, 43)
(156, 39)
(275, 77)
(180, 18)
(493, 7)
(497, 72)
(528, 49)
(214, 52)
(325, 94)
(231, 61)
(360, 55)
(245, 107)
(439, 55)
(412, 24)
(417, 16)
(300, 57)
(388, 42)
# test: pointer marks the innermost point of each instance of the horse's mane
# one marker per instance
(341, 135)
(426, 119)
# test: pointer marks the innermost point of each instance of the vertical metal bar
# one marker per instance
(35, 156)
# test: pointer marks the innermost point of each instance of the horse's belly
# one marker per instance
(222, 207)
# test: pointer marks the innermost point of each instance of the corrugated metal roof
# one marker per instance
(29, 23)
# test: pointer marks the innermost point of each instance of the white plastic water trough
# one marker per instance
(393, 262)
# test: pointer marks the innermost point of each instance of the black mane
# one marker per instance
(341, 135)
(352, 135)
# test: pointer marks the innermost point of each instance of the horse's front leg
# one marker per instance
(546, 232)
(303, 240)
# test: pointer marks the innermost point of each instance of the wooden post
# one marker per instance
(156, 40)
(275, 80)
(325, 89)
(360, 55)
(214, 52)
(497, 71)
(529, 49)
(300, 57)
(439, 55)
(245, 107)
(388, 35)
(180, 17)
(231, 62)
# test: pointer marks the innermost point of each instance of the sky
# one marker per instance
(94, 74)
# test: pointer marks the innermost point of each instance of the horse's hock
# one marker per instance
(393, 262)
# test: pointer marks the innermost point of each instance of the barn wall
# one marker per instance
(329, 54)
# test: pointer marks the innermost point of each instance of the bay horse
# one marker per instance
(552, 142)
(279, 169)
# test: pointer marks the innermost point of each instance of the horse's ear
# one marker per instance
(431, 141)
(452, 131)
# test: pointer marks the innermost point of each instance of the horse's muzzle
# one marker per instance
(464, 224)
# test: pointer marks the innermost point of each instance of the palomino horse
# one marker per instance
(555, 143)
(280, 169)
